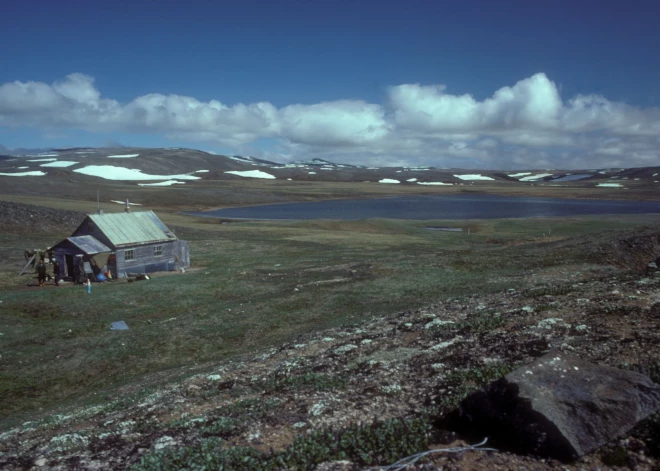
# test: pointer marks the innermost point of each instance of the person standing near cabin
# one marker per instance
(56, 272)
(41, 272)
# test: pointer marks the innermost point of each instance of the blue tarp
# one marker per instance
(119, 325)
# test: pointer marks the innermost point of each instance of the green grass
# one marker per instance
(252, 285)
(381, 442)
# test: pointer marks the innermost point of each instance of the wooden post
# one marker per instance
(28, 263)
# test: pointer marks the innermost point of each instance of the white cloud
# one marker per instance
(527, 124)
(333, 123)
(532, 103)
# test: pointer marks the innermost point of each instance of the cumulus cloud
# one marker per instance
(342, 122)
(527, 124)
(532, 103)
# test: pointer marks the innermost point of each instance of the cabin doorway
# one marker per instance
(68, 259)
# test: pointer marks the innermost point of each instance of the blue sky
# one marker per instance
(490, 84)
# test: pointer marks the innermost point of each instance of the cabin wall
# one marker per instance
(145, 260)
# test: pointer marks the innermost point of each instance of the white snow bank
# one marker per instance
(201, 171)
(521, 174)
(34, 173)
(312, 173)
(434, 183)
(124, 202)
(411, 180)
(388, 180)
(59, 163)
(610, 185)
(22, 167)
(473, 177)
(538, 176)
(252, 174)
(166, 183)
(41, 160)
(110, 172)
(124, 156)
(48, 155)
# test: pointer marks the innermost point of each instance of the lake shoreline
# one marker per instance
(430, 207)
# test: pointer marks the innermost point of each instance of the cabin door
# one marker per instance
(68, 259)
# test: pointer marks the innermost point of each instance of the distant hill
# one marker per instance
(185, 166)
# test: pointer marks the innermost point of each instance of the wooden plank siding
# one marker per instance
(144, 260)
(146, 228)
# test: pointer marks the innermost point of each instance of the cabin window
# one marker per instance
(158, 250)
(129, 254)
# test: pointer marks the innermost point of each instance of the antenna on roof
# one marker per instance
(128, 208)
(98, 204)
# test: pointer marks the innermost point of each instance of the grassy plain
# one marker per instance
(254, 285)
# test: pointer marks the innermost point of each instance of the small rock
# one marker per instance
(343, 465)
(164, 442)
(40, 462)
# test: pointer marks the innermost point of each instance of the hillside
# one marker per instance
(173, 166)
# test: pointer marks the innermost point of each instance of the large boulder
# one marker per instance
(559, 406)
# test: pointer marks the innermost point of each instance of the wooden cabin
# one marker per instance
(121, 244)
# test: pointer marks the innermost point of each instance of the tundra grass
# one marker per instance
(252, 285)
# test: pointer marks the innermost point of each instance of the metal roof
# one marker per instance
(88, 244)
(141, 227)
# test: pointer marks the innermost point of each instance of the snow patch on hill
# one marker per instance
(473, 177)
(252, 174)
(110, 172)
(59, 163)
(538, 176)
(166, 183)
(124, 156)
(34, 173)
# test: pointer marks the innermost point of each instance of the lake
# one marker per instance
(436, 207)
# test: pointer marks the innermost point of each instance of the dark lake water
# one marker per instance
(436, 207)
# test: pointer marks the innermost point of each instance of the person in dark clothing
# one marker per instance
(56, 272)
(41, 271)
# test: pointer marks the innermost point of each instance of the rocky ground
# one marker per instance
(18, 218)
(416, 364)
